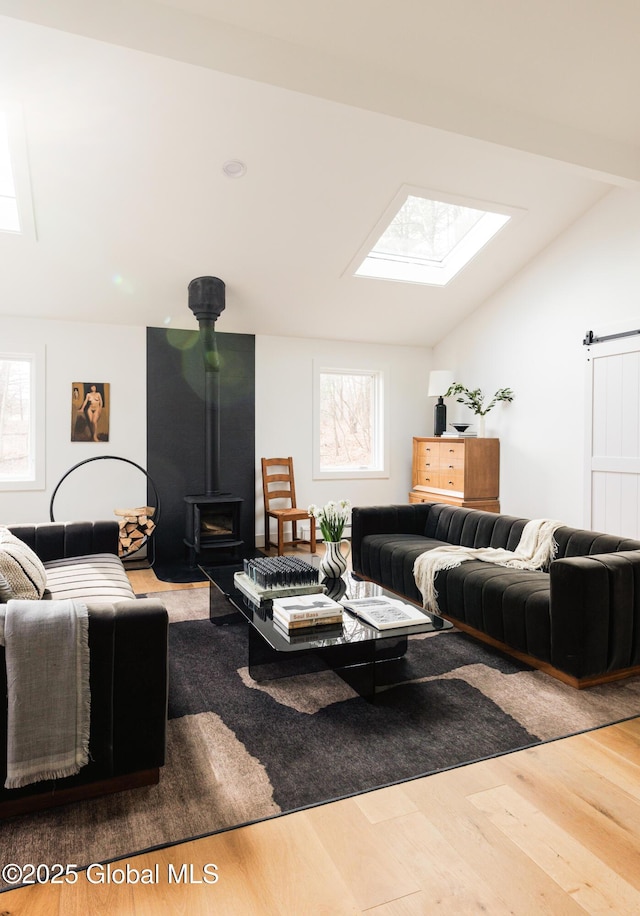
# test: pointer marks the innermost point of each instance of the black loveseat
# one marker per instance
(128, 644)
(579, 621)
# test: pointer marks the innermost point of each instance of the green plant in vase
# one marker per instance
(474, 399)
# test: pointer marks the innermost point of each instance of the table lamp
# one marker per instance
(440, 380)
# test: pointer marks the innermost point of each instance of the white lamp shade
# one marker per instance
(440, 380)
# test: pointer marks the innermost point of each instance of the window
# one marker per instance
(16, 209)
(9, 219)
(349, 436)
(428, 237)
(21, 423)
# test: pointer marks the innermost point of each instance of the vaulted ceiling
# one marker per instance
(132, 109)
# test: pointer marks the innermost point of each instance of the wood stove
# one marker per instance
(212, 523)
(212, 517)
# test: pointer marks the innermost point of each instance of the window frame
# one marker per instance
(380, 422)
(19, 156)
(36, 477)
(497, 217)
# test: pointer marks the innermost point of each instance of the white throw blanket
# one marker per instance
(536, 549)
(47, 656)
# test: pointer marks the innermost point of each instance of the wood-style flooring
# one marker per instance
(549, 830)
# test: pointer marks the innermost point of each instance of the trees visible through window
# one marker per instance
(17, 458)
(428, 237)
(349, 420)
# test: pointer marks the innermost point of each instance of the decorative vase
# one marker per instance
(481, 419)
(334, 562)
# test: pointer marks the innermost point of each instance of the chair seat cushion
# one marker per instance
(289, 513)
(389, 559)
(511, 605)
(98, 577)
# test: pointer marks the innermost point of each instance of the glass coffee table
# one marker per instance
(367, 658)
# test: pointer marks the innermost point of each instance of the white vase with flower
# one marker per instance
(332, 519)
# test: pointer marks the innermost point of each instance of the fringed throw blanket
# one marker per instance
(535, 550)
(47, 657)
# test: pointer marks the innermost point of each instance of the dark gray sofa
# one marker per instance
(579, 621)
(128, 644)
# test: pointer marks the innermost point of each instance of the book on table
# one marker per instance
(262, 595)
(306, 607)
(301, 611)
(307, 622)
(322, 630)
(385, 613)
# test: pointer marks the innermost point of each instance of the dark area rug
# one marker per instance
(239, 750)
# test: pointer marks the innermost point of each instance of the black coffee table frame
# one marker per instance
(365, 657)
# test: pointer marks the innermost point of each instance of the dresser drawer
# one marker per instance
(452, 480)
(429, 451)
(427, 478)
(452, 455)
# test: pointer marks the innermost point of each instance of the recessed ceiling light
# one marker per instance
(234, 168)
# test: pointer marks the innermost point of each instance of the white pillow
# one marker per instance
(22, 574)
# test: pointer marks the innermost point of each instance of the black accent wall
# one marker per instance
(175, 429)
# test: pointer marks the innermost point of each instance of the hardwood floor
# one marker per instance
(549, 830)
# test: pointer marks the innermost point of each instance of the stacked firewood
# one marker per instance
(136, 526)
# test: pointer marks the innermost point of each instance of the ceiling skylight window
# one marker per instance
(16, 207)
(428, 237)
(9, 218)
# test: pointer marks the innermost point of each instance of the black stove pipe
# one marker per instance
(206, 301)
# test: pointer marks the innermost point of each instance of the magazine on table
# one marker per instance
(385, 613)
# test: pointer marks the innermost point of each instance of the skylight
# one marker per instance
(16, 205)
(9, 218)
(429, 239)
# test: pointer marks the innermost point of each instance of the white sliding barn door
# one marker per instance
(613, 437)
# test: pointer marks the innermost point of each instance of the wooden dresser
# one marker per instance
(463, 471)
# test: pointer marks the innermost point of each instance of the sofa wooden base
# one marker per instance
(41, 801)
(578, 683)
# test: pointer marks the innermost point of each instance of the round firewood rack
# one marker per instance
(147, 539)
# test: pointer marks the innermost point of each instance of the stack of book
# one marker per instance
(303, 611)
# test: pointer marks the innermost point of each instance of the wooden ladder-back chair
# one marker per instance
(278, 486)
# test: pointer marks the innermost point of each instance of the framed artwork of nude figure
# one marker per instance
(90, 412)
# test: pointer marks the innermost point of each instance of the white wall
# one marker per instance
(529, 337)
(284, 418)
(78, 352)
(110, 353)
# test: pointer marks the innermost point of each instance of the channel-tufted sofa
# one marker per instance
(128, 640)
(578, 621)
